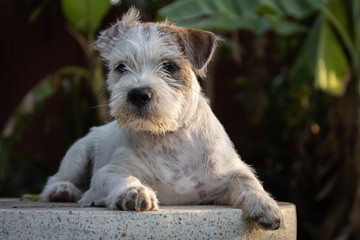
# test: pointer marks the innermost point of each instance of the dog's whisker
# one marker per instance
(100, 106)
(104, 92)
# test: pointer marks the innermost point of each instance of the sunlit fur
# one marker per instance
(173, 150)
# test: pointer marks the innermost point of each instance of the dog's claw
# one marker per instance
(143, 205)
(269, 217)
(138, 199)
(63, 192)
(130, 205)
(119, 204)
(270, 225)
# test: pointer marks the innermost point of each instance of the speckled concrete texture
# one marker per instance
(38, 220)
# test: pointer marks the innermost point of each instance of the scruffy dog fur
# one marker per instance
(165, 146)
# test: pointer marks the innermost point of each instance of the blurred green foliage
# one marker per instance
(258, 16)
(85, 15)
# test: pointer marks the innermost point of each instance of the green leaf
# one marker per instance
(321, 61)
(36, 13)
(258, 16)
(356, 22)
(294, 8)
(187, 9)
(285, 27)
(303, 71)
(247, 7)
(85, 15)
(32, 197)
(256, 24)
(332, 65)
(43, 91)
(347, 28)
(356, 30)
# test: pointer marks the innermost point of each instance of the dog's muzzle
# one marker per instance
(139, 97)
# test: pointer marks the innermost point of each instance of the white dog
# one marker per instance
(166, 144)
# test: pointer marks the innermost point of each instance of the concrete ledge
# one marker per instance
(39, 220)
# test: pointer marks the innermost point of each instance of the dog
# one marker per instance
(165, 144)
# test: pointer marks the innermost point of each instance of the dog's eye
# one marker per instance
(121, 68)
(170, 67)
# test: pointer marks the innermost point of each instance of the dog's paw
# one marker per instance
(138, 199)
(265, 211)
(61, 192)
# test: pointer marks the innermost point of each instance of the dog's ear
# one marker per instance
(199, 47)
(109, 36)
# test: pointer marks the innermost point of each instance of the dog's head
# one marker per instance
(153, 70)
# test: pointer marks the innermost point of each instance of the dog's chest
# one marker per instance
(175, 169)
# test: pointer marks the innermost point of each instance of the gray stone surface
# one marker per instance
(24, 219)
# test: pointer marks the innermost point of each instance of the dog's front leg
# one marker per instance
(246, 192)
(116, 187)
(68, 183)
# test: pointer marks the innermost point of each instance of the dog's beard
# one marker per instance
(149, 125)
(146, 121)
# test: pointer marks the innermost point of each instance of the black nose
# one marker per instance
(139, 96)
